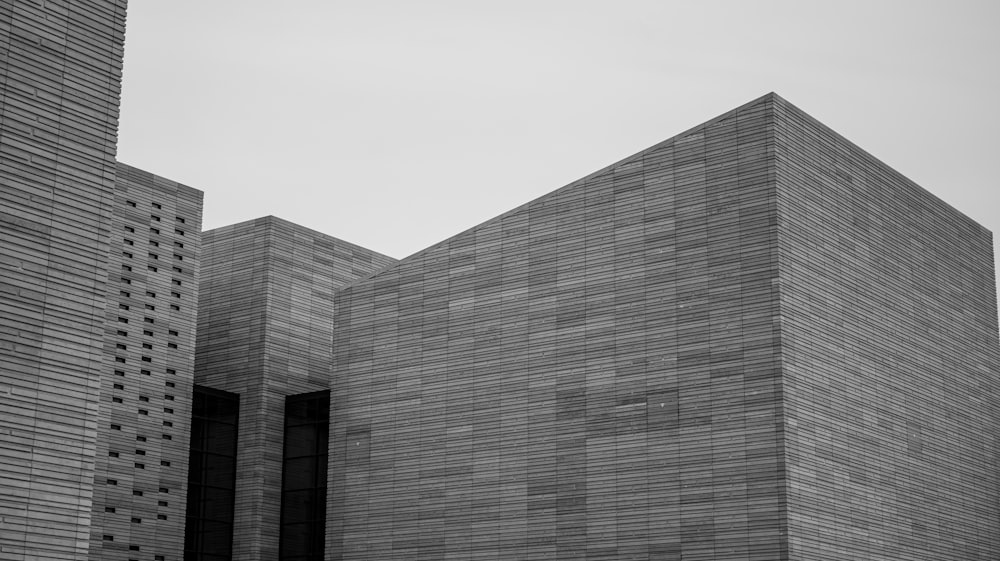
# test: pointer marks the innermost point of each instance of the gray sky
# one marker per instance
(395, 125)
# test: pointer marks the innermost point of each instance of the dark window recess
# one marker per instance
(130, 203)
(157, 205)
(303, 480)
(109, 509)
(179, 219)
(211, 496)
(129, 229)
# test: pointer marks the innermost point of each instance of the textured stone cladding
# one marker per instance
(264, 332)
(594, 375)
(60, 72)
(890, 358)
(140, 484)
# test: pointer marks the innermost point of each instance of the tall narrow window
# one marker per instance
(303, 480)
(208, 534)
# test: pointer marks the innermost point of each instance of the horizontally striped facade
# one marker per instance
(60, 76)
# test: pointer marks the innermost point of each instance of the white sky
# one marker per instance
(395, 125)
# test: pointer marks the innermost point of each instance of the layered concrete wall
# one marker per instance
(140, 482)
(264, 332)
(890, 358)
(593, 375)
(60, 74)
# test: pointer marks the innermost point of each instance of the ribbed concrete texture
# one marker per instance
(142, 452)
(750, 342)
(60, 73)
(890, 359)
(264, 330)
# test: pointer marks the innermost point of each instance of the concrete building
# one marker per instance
(751, 341)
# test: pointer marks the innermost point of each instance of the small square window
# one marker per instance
(162, 503)
(160, 517)
(126, 281)
(122, 333)
(119, 387)
(178, 270)
(119, 359)
(179, 219)
(157, 205)
(143, 412)
(168, 410)
(149, 320)
(109, 509)
(175, 307)
(136, 520)
(129, 229)
(171, 371)
(171, 384)
(164, 490)
(123, 306)
(113, 454)
(150, 294)
(178, 231)
(130, 203)
(126, 268)
(136, 493)
(127, 254)
(133, 548)
(172, 345)
(164, 463)
(143, 398)
(140, 452)
(178, 244)
(108, 538)
(152, 268)
(119, 372)
(175, 281)
(116, 400)
(179, 257)
(173, 332)
(154, 230)
(120, 346)
(140, 439)
(167, 424)
(153, 256)
(112, 482)
(168, 397)
(144, 372)
(154, 217)
(129, 242)
(175, 294)
(116, 427)
(154, 243)
(147, 333)
(147, 359)
(122, 320)
(167, 437)
(140, 466)
(147, 346)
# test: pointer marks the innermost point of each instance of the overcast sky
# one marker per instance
(395, 125)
